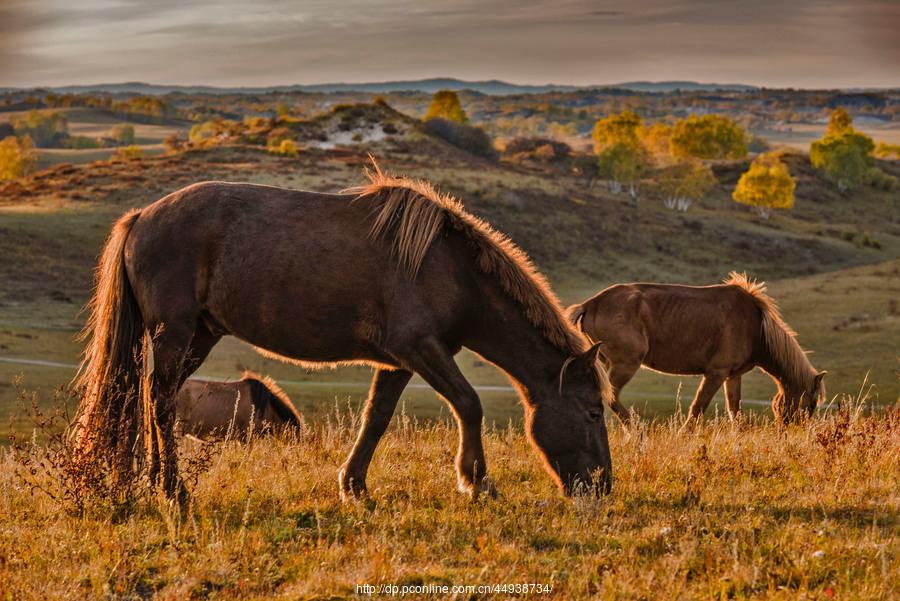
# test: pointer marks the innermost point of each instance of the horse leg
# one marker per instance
(178, 350)
(733, 393)
(387, 386)
(434, 362)
(619, 376)
(708, 387)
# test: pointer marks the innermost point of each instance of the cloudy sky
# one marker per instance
(799, 43)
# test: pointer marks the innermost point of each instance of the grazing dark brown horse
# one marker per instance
(390, 274)
(720, 332)
(209, 409)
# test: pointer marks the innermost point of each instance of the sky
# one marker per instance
(774, 43)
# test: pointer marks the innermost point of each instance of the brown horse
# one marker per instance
(209, 409)
(720, 332)
(390, 274)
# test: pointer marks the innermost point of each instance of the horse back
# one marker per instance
(679, 329)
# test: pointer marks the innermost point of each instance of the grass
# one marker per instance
(742, 510)
(835, 292)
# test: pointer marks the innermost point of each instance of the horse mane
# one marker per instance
(414, 213)
(268, 389)
(779, 338)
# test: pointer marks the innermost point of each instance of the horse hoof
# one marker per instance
(352, 489)
(485, 487)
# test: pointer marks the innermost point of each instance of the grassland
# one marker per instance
(835, 291)
(744, 510)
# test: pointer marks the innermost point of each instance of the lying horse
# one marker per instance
(720, 332)
(208, 409)
(390, 274)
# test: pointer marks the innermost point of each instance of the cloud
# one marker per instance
(808, 43)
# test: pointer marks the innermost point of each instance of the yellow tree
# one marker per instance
(839, 122)
(445, 105)
(625, 128)
(766, 185)
(708, 137)
(17, 157)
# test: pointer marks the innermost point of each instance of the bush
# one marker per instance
(467, 137)
(881, 180)
(287, 148)
(539, 148)
(127, 153)
(123, 134)
(82, 142)
(17, 157)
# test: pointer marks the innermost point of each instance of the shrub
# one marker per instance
(82, 142)
(881, 180)
(128, 152)
(467, 137)
(17, 157)
(887, 151)
(543, 149)
(123, 134)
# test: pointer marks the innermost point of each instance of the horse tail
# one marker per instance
(111, 372)
(575, 313)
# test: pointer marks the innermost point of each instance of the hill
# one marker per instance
(430, 85)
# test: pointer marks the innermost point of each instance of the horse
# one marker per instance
(208, 409)
(719, 332)
(390, 274)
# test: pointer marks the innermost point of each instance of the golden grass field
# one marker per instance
(740, 510)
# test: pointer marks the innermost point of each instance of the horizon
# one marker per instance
(802, 45)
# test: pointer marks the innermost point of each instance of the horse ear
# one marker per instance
(592, 355)
(820, 376)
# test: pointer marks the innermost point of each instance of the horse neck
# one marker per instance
(505, 337)
(790, 378)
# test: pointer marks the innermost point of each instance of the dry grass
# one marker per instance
(742, 510)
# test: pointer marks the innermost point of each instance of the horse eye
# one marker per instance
(595, 414)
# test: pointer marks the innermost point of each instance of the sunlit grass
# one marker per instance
(741, 510)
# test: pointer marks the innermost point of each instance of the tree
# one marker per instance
(123, 134)
(445, 105)
(845, 158)
(287, 148)
(887, 151)
(685, 183)
(625, 128)
(839, 122)
(708, 137)
(17, 157)
(45, 128)
(766, 185)
(656, 138)
(622, 163)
